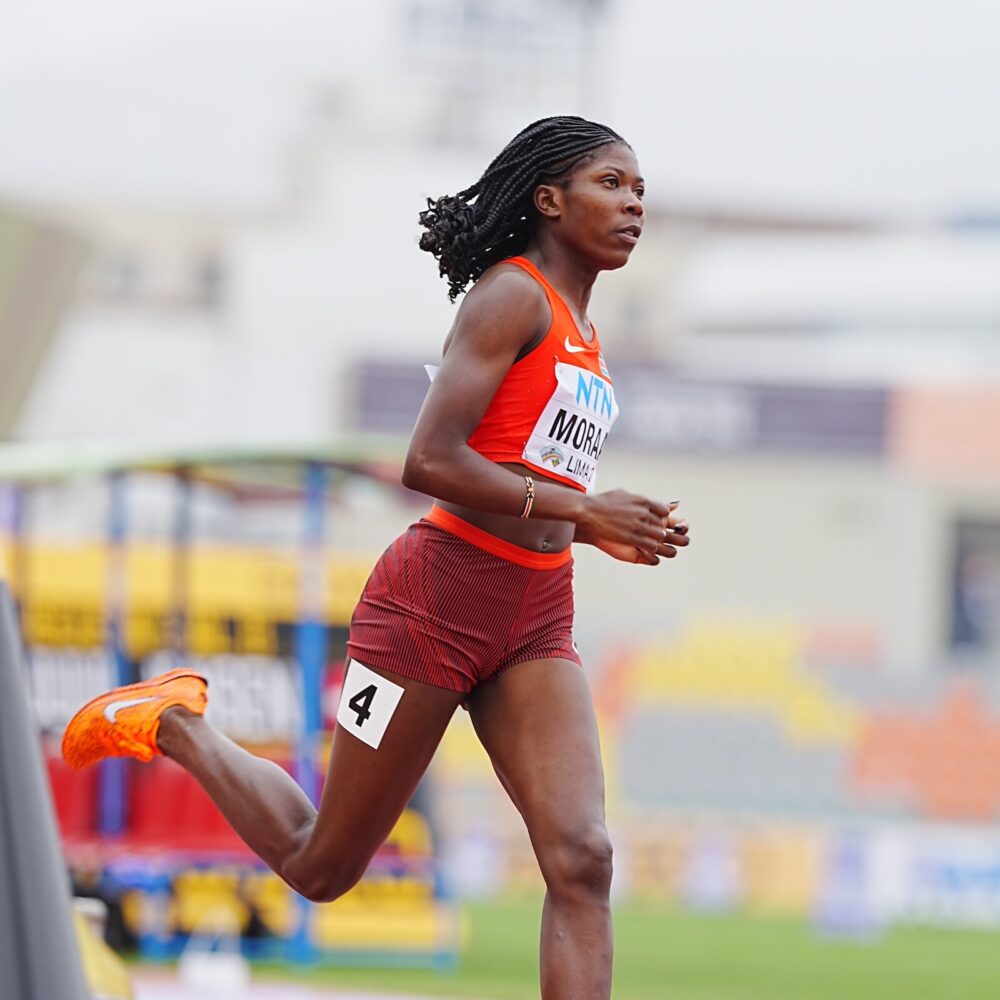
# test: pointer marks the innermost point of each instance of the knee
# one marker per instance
(580, 863)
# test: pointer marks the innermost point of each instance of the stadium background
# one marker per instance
(801, 716)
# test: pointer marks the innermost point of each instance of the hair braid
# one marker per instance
(493, 219)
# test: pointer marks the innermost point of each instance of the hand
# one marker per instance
(633, 529)
(675, 535)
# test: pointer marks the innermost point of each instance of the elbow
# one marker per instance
(432, 467)
(418, 473)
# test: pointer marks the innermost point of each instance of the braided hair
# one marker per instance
(494, 219)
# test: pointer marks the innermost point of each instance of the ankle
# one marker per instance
(175, 728)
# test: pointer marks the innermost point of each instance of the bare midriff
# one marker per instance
(534, 534)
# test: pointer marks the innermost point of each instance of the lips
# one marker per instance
(630, 234)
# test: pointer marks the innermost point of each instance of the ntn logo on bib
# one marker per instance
(569, 436)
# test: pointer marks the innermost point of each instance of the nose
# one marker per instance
(634, 205)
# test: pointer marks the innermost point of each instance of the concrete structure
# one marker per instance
(38, 948)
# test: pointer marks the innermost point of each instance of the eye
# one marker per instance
(640, 192)
(611, 181)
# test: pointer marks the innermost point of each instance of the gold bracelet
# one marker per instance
(529, 496)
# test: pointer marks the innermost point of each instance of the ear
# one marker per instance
(548, 201)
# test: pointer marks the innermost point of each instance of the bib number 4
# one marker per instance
(367, 704)
(361, 704)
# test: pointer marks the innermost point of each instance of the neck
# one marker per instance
(571, 275)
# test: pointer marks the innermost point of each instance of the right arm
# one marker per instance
(502, 313)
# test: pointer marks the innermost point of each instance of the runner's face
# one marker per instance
(601, 212)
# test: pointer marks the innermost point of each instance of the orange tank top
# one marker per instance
(554, 408)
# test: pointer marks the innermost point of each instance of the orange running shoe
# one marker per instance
(124, 722)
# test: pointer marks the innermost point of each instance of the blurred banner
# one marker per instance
(666, 413)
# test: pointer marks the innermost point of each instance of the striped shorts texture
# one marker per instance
(441, 608)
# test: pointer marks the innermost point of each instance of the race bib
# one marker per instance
(570, 434)
(367, 703)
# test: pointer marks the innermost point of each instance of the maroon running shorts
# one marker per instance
(451, 605)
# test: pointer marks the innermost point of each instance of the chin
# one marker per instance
(613, 261)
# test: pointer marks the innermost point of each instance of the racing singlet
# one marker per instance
(555, 407)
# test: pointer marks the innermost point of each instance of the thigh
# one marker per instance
(367, 787)
(537, 723)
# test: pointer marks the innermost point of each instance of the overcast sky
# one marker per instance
(888, 106)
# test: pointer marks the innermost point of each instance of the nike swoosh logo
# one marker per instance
(573, 350)
(112, 710)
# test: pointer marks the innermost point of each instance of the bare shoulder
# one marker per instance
(508, 281)
(505, 304)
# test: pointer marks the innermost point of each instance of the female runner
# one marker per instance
(472, 604)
